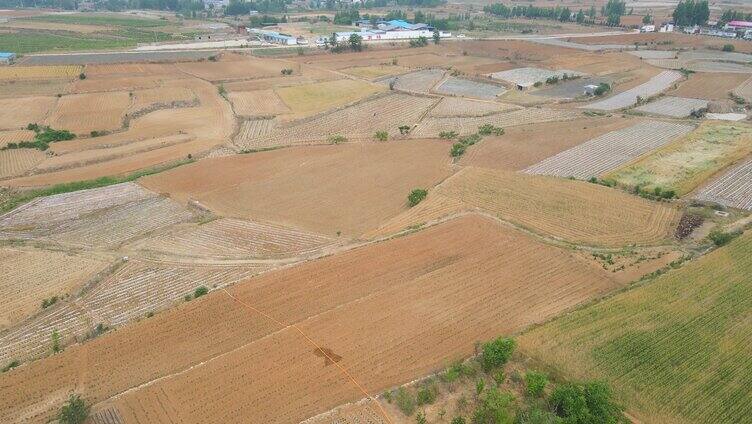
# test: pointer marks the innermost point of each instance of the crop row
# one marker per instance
(627, 98)
(432, 126)
(733, 188)
(676, 107)
(419, 81)
(19, 161)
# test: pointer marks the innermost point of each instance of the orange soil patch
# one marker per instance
(243, 68)
(525, 145)
(39, 72)
(427, 297)
(17, 113)
(18, 161)
(568, 210)
(307, 74)
(15, 136)
(711, 86)
(349, 188)
(31, 276)
(257, 103)
(83, 113)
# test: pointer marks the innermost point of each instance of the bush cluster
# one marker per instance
(416, 196)
(44, 136)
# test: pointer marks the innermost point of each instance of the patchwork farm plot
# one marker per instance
(307, 99)
(461, 87)
(83, 113)
(433, 126)
(19, 112)
(418, 81)
(685, 164)
(527, 77)
(17, 162)
(710, 86)
(257, 103)
(609, 151)
(675, 107)
(732, 189)
(656, 85)
(455, 106)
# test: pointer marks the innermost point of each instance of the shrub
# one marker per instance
(602, 89)
(421, 418)
(720, 238)
(458, 420)
(536, 415)
(405, 401)
(97, 331)
(187, 298)
(82, 76)
(471, 139)
(221, 90)
(496, 353)
(552, 80)
(200, 291)
(448, 135)
(55, 341)
(494, 408)
(535, 383)
(286, 71)
(381, 135)
(499, 377)
(455, 372)
(427, 394)
(46, 303)
(75, 411)
(728, 48)
(537, 84)
(404, 129)
(458, 149)
(96, 134)
(416, 196)
(479, 386)
(588, 403)
(388, 396)
(33, 127)
(488, 129)
(12, 364)
(337, 139)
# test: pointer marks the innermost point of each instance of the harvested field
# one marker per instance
(114, 83)
(147, 99)
(432, 126)
(675, 107)
(125, 57)
(628, 98)
(253, 130)
(573, 211)
(257, 103)
(744, 90)
(732, 189)
(419, 81)
(424, 304)
(384, 113)
(685, 164)
(308, 99)
(722, 67)
(570, 89)
(132, 69)
(15, 136)
(245, 68)
(24, 88)
(19, 112)
(38, 72)
(571, 45)
(709, 86)
(465, 88)
(609, 151)
(234, 239)
(102, 217)
(454, 106)
(83, 113)
(526, 77)
(349, 188)
(135, 289)
(19, 161)
(654, 54)
(696, 316)
(31, 276)
(525, 145)
(374, 72)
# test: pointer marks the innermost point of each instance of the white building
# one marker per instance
(393, 30)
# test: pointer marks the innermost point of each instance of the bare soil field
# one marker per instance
(83, 113)
(674, 107)
(669, 41)
(347, 188)
(432, 126)
(17, 113)
(32, 276)
(309, 99)
(147, 99)
(419, 81)
(131, 69)
(25, 88)
(744, 90)
(709, 86)
(257, 103)
(524, 145)
(375, 72)
(19, 161)
(14, 136)
(573, 211)
(236, 68)
(654, 86)
(466, 88)
(424, 304)
(114, 83)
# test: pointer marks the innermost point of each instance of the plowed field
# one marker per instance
(14, 136)
(348, 188)
(432, 126)
(19, 161)
(245, 68)
(389, 313)
(572, 211)
(257, 103)
(676, 349)
(83, 113)
(309, 99)
(19, 112)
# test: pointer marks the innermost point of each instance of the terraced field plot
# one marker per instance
(242, 67)
(19, 112)
(709, 86)
(39, 72)
(145, 99)
(432, 126)
(19, 161)
(14, 136)
(455, 106)
(526, 77)
(732, 189)
(683, 336)
(656, 85)
(685, 164)
(385, 113)
(348, 188)
(419, 81)
(374, 72)
(572, 211)
(426, 303)
(609, 151)
(235, 238)
(257, 103)
(307, 99)
(744, 90)
(654, 54)
(31, 276)
(83, 113)
(675, 107)
(461, 87)
(253, 130)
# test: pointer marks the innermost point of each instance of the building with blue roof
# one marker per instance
(6, 58)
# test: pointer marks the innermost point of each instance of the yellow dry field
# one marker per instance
(31, 276)
(143, 99)
(25, 88)
(114, 83)
(374, 72)
(14, 136)
(313, 98)
(83, 113)
(572, 211)
(240, 67)
(688, 162)
(257, 103)
(131, 69)
(39, 72)
(17, 113)
(18, 161)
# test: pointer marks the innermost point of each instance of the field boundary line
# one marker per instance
(317, 347)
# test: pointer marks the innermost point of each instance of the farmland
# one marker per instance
(656, 85)
(83, 113)
(683, 165)
(675, 107)
(318, 97)
(694, 316)
(733, 188)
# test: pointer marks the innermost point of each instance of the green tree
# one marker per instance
(496, 353)
(405, 401)
(614, 10)
(200, 291)
(647, 19)
(356, 42)
(436, 37)
(74, 411)
(55, 341)
(588, 403)
(535, 383)
(416, 196)
(381, 135)
(458, 149)
(495, 408)
(691, 12)
(458, 420)
(580, 18)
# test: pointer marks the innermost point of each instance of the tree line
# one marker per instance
(613, 11)
(691, 12)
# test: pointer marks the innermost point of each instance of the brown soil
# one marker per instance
(711, 86)
(327, 189)
(669, 41)
(393, 311)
